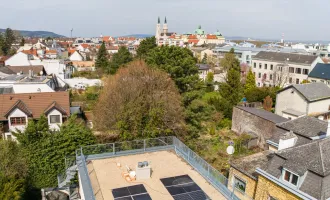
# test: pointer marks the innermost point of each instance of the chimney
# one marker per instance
(30, 73)
(328, 129)
(287, 140)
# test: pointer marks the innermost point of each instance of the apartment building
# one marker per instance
(282, 69)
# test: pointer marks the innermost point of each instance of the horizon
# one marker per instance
(253, 18)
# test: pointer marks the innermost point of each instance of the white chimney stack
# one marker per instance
(287, 140)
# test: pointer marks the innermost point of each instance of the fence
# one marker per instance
(100, 151)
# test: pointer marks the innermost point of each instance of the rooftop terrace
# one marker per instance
(99, 172)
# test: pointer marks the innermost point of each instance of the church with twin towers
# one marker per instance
(197, 38)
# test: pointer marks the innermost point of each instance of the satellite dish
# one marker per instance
(230, 150)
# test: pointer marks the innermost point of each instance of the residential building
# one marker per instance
(159, 168)
(281, 69)
(83, 65)
(311, 99)
(203, 69)
(23, 59)
(243, 54)
(29, 83)
(296, 173)
(320, 73)
(17, 109)
(77, 56)
(297, 132)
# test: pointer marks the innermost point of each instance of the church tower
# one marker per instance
(165, 28)
(158, 31)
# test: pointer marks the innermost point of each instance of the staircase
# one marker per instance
(70, 172)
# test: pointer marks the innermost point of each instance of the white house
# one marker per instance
(18, 109)
(76, 56)
(311, 99)
(22, 59)
(281, 69)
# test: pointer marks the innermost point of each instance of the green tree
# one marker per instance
(179, 63)
(250, 83)
(231, 90)
(102, 60)
(22, 43)
(7, 41)
(46, 150)
(204, 60)
(145, 47)
(119, 59)
(209, 82)
(13, 170)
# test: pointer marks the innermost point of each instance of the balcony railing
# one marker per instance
(101, 151)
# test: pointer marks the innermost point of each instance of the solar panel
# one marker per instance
(135, 192)
(183, 188)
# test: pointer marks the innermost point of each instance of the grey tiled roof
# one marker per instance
(264, 114)
(312, 158)
(312, 91)
(305, 126)
(321, 71)
(293, 112)
(285, 57)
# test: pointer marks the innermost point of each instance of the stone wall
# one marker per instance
(250, 184)
(245, 122)
(266, 188)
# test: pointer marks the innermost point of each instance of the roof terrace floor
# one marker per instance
(105, 175)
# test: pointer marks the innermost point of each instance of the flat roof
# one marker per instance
(105, 175)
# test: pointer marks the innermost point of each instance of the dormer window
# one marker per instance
(290, 177)
(55, 119)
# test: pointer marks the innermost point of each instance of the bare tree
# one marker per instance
(139, 101)
(281, 75)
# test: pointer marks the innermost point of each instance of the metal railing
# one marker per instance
(100, 151)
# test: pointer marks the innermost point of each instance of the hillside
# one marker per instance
(39, 34)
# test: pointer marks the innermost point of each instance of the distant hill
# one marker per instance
(40, 34)
(137, 35)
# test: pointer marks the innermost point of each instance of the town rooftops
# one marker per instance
(285, 57)
(264, 114)
(248, 164)
(6, 70)
(36, 103)
(321, 71)
(305, 126)
(25, 69)
(310, 161)
(311, 91)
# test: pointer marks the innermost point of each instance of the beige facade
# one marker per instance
(267, 190)
(250, 188)
(270, 73)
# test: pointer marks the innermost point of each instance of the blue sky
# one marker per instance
(297, 19)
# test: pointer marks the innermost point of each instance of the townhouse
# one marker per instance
(281, 69)
(320, 73)
(17, 109)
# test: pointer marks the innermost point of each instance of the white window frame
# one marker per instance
(50, 119)
(290, 178)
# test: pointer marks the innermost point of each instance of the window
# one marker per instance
(265, 66)
(298, 70)
(305, 71)
(259, 75)
(17, 121)
(271, 67)
(290, 177)
(291, 69)
(239, 184)
(297, 81)
(9, 137)
(55, 119)
(259, 65)
(290, 80)
(254, 73)
(271, 77)
(258, 84)
(254, 65)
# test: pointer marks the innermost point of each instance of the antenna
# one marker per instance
(71, 32)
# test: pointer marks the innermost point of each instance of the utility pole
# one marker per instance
(71, 32)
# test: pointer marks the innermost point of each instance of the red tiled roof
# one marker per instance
(195, 41)
(51, 52)
(71, 51)
(211, 37)
(31, 51)
(85, 46)
(36, 103)
(190, 37)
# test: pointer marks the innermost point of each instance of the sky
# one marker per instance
(264, 19)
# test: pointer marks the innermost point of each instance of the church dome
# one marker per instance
(199, 30)
(217, 33)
